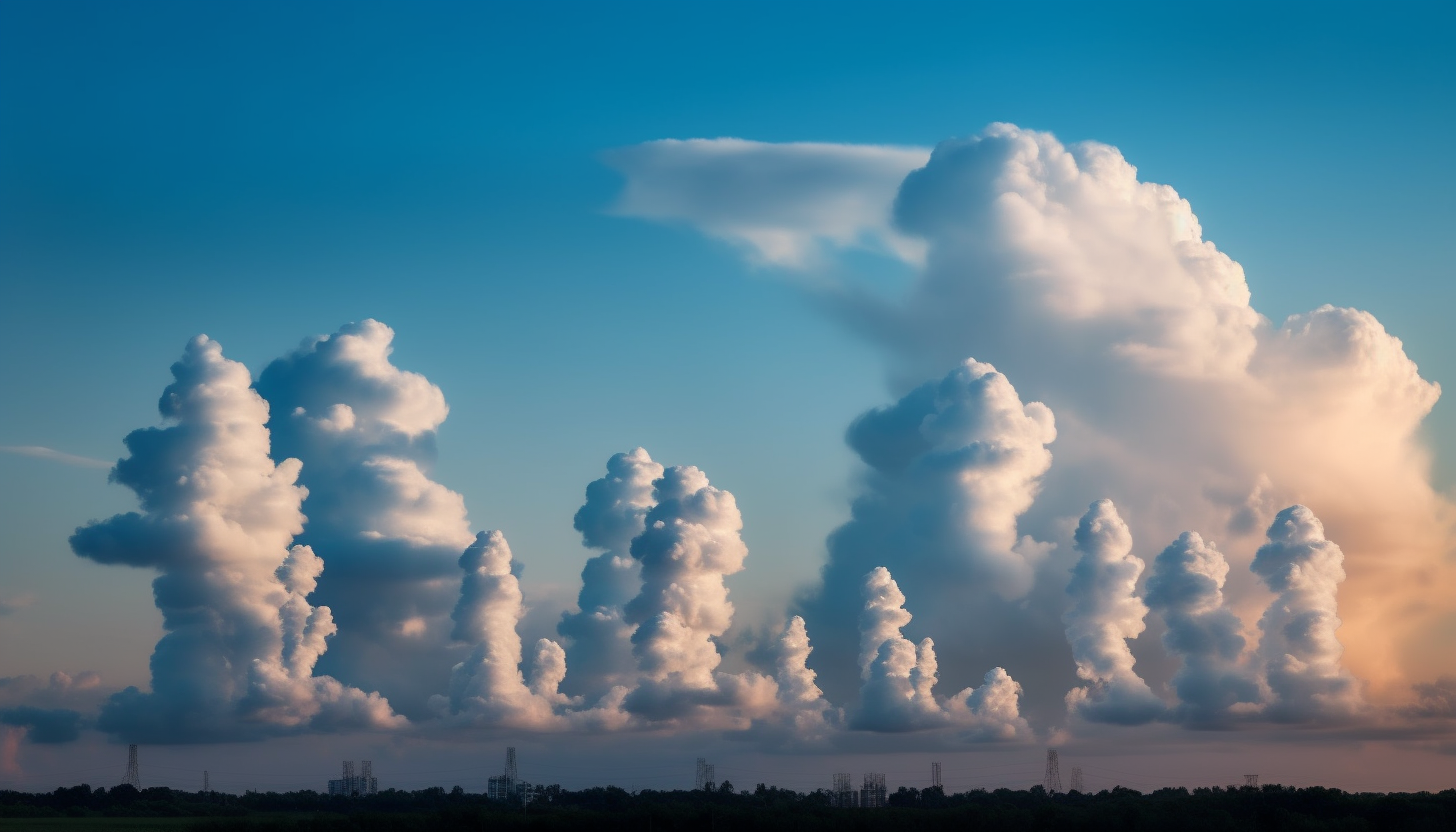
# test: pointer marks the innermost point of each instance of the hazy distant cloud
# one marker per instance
(40, 452)
(80, 692)
(218, 519)
(1436, 699)
(365, 433)
(783, 203)
(9, 605)
(44, 725)
(46, 711)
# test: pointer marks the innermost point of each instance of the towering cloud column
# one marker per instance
(1299, 650)
(1186, 589)
(898, 674)
(599, 648)
(899, 678)
(952, 466)
(808, 714)
(689, 545)
(365, 431)
(488, 688)
(217, 520)
(1105, 613)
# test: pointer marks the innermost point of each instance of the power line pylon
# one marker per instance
(1077, 779)
(133, 771)
(1053, 780)
(935, 776)
(1251, 780)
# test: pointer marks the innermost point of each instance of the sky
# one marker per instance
(912, 288)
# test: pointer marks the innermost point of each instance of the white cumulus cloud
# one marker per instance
(1104, 614)
(217, 521)
(599, 648)
(1097, 294)
(1300, 650)
(488, 688)
(1214, 683)
(365, 431)
(690, 542)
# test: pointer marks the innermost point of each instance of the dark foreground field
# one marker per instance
(1267, 808)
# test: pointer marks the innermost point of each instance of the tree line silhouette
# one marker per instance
(1270, 807)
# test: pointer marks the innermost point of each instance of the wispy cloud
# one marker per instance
(41, 452)
(13, 603)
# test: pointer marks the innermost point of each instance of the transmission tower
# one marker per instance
(133, 772)
(872, 795)
(1053, 780)
(1077, 779)
(206, 783)
(935, 776)
(844, 797)
(704, 775)
(1251, 780)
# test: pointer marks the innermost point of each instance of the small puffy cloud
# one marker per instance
(783, 203)
(1105, 613)
(218, 517)
(365, 432)
(30, 689)
(1299, 650)
(989, 712)
(599, 647)
(1186, 588)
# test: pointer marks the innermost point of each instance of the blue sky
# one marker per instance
(266, 172)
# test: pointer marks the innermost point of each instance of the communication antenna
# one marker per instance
(1077, 779)
(935, 776)
(1251, 780)
(133, 771)
(1053, 780)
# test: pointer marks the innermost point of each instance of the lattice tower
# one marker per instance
(133, 771)
(1053, 780)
